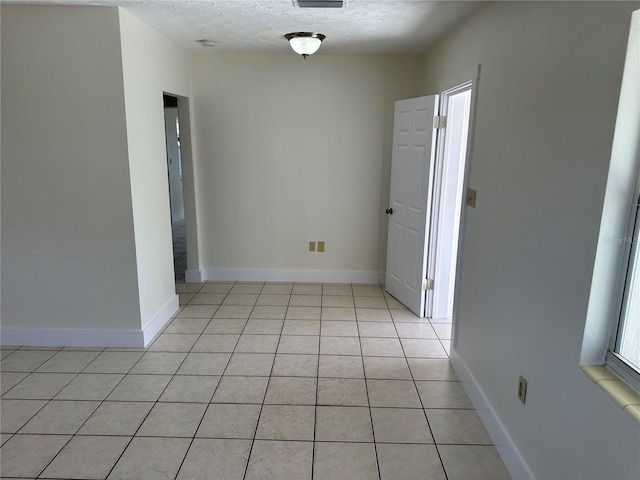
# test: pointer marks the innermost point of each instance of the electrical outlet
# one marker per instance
(312, 246)
(321, 246)
(522, 389)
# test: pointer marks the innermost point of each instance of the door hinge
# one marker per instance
(439, 121)
(427, 284)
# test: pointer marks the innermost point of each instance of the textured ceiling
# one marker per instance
(258, 26)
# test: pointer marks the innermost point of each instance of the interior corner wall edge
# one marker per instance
(152, 64)
(548, 93)
(68, 257)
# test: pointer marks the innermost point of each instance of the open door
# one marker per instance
(409, 212)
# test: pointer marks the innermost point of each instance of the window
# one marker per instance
(624, 353)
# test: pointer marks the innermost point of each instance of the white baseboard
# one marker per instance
(193, 276)
(511, 457)
(151, 329)
(289, 275)
(89, 337)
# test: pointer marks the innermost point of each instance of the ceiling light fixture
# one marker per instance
(305, 43)
(205, 42)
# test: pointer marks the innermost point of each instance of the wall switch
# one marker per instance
(312, 246)
(522, 389)
(321, 246)
(471, 197)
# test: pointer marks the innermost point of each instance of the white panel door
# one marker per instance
(410, 200)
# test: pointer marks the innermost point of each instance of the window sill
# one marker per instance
(621, 393)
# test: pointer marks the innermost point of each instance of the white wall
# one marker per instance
(152, 64)
(68, 258)
(291, 151)
(547, 101)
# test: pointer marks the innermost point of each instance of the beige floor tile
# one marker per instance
(188, 287)
(4, 351)
(373, 315)
(416, 330)
(303, 313)
(240, 390)
(116, 418)
(8, 380)
(386, 368)
(40, 386)
(400, 425)
(231, 311)
(393, 393)
(269, 312)
(15, 413)
(304, 344)
(113, 362)
(27, 455)
(25, 360)
(333, 328)
(159, 363)
(68, 362)
(343, 424)
(337, 289)
(217, 287)
(443, 330)
(341, 366)
(229, 420)
(184, 298)
(340, 346)
(410, 462)
(342, 392)
(462, 462)
(457, 427)
(367, 291)
(257, 364)
(342, 301)
(301, 327)
(149, 458)
(423, 348)
(273, 300)
(140, 388)
(437, 394)
(286, 422)
(393, 303)
(209, 459)
(295, 365)
(4, 437)
(190, 388)
(381, 347)
(247, 287)
(339, 313)
(280, 460)
(351, 461)
(197, 311)
(277, 289)
(90, 386)
(60, 417)
(298, 300)
(172, 420)
(204, 364)
(174, 342)
(208, 299)
(263, 326)
(377, 330)
(226, 325)
(187, 325)
(257, 343)
(431, 369)
(370, 302)
(307, 289)
(87, 457)
(291, 391)
(241, 299)
(216, 343)
(404, 315)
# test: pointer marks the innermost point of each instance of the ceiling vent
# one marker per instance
(319, 3)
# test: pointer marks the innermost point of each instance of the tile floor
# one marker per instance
(250, 381)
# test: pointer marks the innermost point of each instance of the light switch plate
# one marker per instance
(312, 246)
(321, 246)
(471, 197)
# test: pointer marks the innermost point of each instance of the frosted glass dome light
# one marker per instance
(305, 43)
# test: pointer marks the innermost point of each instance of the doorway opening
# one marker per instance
(176, 193)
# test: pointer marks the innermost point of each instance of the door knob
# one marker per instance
(389, 211)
